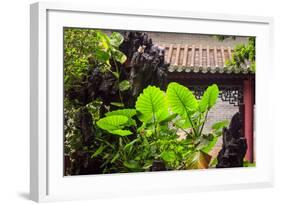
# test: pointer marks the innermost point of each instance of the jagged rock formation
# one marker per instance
(145, 66)
(234, 145)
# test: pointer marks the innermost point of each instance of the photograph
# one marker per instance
(142, 101)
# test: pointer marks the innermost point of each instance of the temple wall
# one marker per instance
(194, 39)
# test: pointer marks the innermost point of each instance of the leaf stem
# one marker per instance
(205, 119)
(118, 80)
(192, 125)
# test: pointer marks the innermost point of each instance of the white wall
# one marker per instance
(14, 101)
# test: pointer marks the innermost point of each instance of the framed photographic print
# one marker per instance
(128, 102)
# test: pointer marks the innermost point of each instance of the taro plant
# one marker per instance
(149, 132)
(192, 118)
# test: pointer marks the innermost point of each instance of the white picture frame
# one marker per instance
(47, 182)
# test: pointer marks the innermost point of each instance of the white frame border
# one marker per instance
(39, 83)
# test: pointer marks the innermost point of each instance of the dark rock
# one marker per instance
(158, 165)
(85, 124)
(234, 145)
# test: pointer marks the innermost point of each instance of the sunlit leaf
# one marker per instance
(152, 105)
(125, 112)
(181, 99)
(120, 132)
(114, 124)
(209, 98)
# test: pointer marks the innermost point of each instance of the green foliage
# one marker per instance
(98, 151)
(248, 164)
(130, 140)
(79, 45)
(209, 98)
(209, 142)
(119, 56)
(181, 99)
(152, 105)
(156, 138)
(125, 112)
(115, 124)
(85, 50)
(168, 156)
(244, 55)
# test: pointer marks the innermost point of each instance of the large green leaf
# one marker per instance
(152, 105)
(198, 160)
(114, 124)
(209, 98)
(124, 112)
(129, 113)
(181, 99)
(120, 132)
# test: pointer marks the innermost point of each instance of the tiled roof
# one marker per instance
(198, 58)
